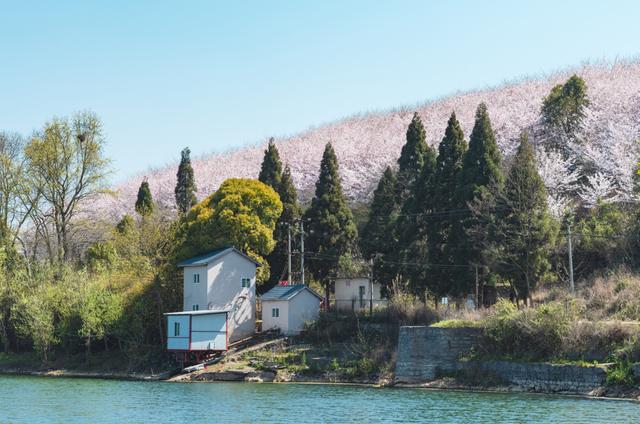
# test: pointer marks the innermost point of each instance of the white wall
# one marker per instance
(269, 322)
(303, 307)
(208, 332)
(347, 293)
(194, 293)
(178, 341)
(225, 291)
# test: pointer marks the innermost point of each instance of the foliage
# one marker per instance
(144, 202)
(564, 108)
(524, 230)
(101, 256)
(445, 206)
(531, 333)
(332, 232)
(271, 168)
(185, 191)
(66, 162)
(411, 158)
(242, 213)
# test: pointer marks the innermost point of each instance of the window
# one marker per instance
(275, 312)
(196, 278)
(196, 307)
(246, 282)
(176, 329)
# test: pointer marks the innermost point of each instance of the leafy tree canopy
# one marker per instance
(185, 191)
(144, 202)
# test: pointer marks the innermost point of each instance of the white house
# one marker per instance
(222, 281)
(357, 294)
(287, 308)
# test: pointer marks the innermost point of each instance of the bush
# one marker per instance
(530, 333)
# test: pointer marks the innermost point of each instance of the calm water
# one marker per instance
(61, 400)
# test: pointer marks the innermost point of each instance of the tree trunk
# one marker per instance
(327, 294)
(88, 344)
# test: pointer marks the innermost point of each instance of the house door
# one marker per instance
(361, 293)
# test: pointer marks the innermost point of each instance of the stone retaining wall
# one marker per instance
(427, 353)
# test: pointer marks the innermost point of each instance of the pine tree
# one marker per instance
(481, 174)
(525, 230)
(186, 185)
(144, 202)
(374, 239)
(331, 230)
(445, 209)
(271, 169)
(411, 158)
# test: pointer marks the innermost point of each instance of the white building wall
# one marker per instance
(347, 293)
(303, 307)
(225, 291)
(281, 322)
(194, 293)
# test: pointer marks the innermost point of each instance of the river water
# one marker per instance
(66, 400)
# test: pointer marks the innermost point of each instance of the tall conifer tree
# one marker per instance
(411, 158)
(271, 169)
(332, 232)
(144, 202)
(445, 208)
(525, 230)
(185, 191)
(374, 239)
(481, 174)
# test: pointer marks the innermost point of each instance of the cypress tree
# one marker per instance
(445, 209)
(374, 239)
(144, 202)
(526, 231)
(290, 214)
(271, 169)
(186, 184)
(481, 173)
(331, 230)
(413, 224)
(411, 158)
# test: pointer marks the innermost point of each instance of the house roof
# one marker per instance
(287, 292)
(207, 258)
(203, 312)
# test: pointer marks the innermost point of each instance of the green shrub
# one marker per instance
(530, 333)
(620, 374)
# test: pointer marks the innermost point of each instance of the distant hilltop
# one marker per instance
(366, 144)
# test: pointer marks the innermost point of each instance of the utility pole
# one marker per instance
(477, 289)
(573, 289)
(302, 251)
(371, 288)
(289, 279)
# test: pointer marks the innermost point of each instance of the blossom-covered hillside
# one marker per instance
(366, 144)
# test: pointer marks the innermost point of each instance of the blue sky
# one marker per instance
(218, 75)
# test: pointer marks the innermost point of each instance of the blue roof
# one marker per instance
(207, 258)
(286, 292)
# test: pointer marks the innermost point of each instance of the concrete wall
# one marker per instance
(303, 307)
(194, 293)
(347, 294)
(271, 323)
(541, 377)
(426, 352)
(225, 291)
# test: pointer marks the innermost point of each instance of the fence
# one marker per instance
(359, 305)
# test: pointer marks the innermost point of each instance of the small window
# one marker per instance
(246, 282)
(176, 329)
(196, 278)
(196, 307)
(275, 312)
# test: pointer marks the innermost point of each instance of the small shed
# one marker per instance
(199, 332)
(357, 294)
(287, 308)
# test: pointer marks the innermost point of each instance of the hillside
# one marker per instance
(365, 144)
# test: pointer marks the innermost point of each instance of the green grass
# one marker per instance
(457, 323)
